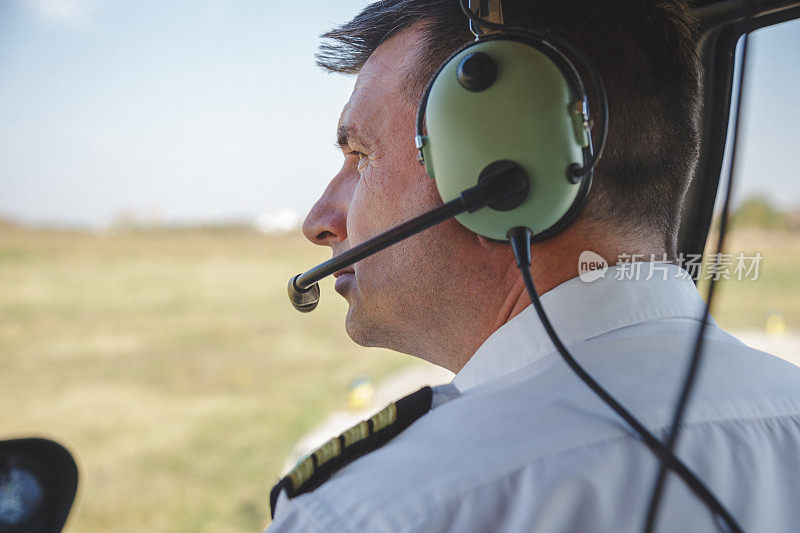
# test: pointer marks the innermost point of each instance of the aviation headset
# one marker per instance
(503, 128)
(520, 93)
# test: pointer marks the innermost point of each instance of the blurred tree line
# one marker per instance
(758, 212)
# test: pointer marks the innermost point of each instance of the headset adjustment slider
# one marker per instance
(419, 142)
(581, 122)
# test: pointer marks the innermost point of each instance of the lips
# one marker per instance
(343, 271)
(344, 278)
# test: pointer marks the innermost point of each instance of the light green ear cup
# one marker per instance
(528, 116)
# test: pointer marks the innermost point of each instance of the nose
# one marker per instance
(326, 223)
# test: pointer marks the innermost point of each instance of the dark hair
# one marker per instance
(644, 50)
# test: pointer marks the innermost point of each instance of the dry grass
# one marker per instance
(747, 304)
(172, 366)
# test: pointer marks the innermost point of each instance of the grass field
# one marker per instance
(747, 304)
(173, 367)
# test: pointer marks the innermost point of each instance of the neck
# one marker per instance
(553, 262)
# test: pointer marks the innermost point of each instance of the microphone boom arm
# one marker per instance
(510, 183)
(375, 244)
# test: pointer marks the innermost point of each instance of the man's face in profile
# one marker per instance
(381, 184)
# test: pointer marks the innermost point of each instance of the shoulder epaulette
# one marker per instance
(366, 436)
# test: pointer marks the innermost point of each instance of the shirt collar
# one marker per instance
(581, 310)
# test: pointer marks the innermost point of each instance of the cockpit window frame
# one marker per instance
(720, 27)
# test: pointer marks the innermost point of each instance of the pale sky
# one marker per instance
(203, 110)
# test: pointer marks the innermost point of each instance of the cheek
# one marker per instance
(379, 202)
(361, 214)
(388, 193)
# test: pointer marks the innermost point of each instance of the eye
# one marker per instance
(363, 159)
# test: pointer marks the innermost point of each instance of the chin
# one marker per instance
(374, 321)
(367, 329)
(358, 330)
(357, 323)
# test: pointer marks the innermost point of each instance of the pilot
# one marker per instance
(516, 442)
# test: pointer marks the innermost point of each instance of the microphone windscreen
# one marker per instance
(304, 301)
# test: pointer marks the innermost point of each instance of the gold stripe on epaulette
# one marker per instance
(301, 472)
(384, 418)
(328, 451)
(356, 433)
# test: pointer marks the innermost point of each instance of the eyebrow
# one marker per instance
(347, 133)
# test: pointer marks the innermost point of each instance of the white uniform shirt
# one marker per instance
(526, 446)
